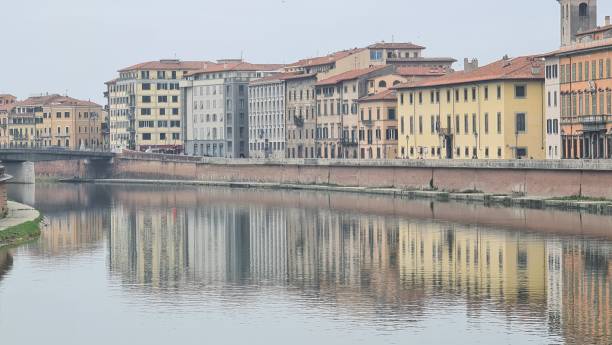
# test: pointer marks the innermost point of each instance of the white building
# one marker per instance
(552, 102)
(267, 127)
(215, 108)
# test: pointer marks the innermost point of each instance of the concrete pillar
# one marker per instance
(22, 172)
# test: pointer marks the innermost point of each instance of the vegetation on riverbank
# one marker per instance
(21, 233)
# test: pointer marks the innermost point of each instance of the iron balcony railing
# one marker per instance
(595, 122)
(298, 121)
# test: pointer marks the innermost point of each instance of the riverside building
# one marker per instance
(145, 108)
(337, 111)
(491, 112)
(216, 107)
(56, 121)
(581, 73)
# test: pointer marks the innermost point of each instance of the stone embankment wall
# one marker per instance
(524, 177)
(69, 169)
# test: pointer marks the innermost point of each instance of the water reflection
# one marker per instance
(387, 261)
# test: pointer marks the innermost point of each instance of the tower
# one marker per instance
(576, 16)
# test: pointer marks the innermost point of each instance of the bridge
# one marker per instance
(42, 155)
(19, 162)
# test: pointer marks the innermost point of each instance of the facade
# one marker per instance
(553, 110)
(337, 111)
(7, 102)
(378, 126)
(144, 106)
(581, 73)
(216, 107)
(267, 102)
(491, 112)
(301, 116)
(56, 121)
(585, 99)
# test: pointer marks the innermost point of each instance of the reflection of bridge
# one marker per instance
(19, 162)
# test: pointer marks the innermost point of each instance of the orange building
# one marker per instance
(585, 76)
(378, 126)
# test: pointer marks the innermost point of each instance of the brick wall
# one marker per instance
(545, 182)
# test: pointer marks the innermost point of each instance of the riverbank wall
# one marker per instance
(542, 179)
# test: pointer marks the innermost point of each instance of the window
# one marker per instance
(499, 123)
(486, 93)
(583, 10)
(146, 86)
(457, 125)
(146, 99)
(521, 125)
(486, 123)
(499, 92)
(175, 111)
(145, 111)
(520, 91)
(162, 136)
(146, 136)
(466, 123)
(420, 124)
(376, 55)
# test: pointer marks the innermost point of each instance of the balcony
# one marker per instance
(298, 121)
(346, 142)
(367, 122)
(595, 123)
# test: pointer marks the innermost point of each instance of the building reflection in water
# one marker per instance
(6, 262)
(386, 259)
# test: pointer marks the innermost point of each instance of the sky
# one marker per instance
(74, 46)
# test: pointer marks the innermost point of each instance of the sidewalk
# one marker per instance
(17, 215)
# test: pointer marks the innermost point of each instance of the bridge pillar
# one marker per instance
(22, 172)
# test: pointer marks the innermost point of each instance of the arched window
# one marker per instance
(382, 83)
(583, 9)
(396, 82)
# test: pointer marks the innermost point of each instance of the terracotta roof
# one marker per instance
(237, 66)
(409, 71)
(6, 95)
(113, 81)
(406, 45)
(605, 43)
(324, 60)
(55, 100)
(350, 75)
(169, 64)
(275, 77)
(387, 95)
(520, 68)
(597, 29)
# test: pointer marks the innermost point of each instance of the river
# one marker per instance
(130, 264)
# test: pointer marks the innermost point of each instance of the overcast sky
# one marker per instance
(75, 46)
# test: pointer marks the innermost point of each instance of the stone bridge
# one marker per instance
(20, 162)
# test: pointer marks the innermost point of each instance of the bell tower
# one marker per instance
(576, 16)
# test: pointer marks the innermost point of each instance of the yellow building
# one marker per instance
(56, 121)
(492, 112)
(144, 105)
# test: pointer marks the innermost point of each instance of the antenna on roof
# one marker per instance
(242, 55)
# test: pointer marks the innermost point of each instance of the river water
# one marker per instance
(127, 264)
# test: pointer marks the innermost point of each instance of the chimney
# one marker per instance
(469, 66)
(607, 20)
